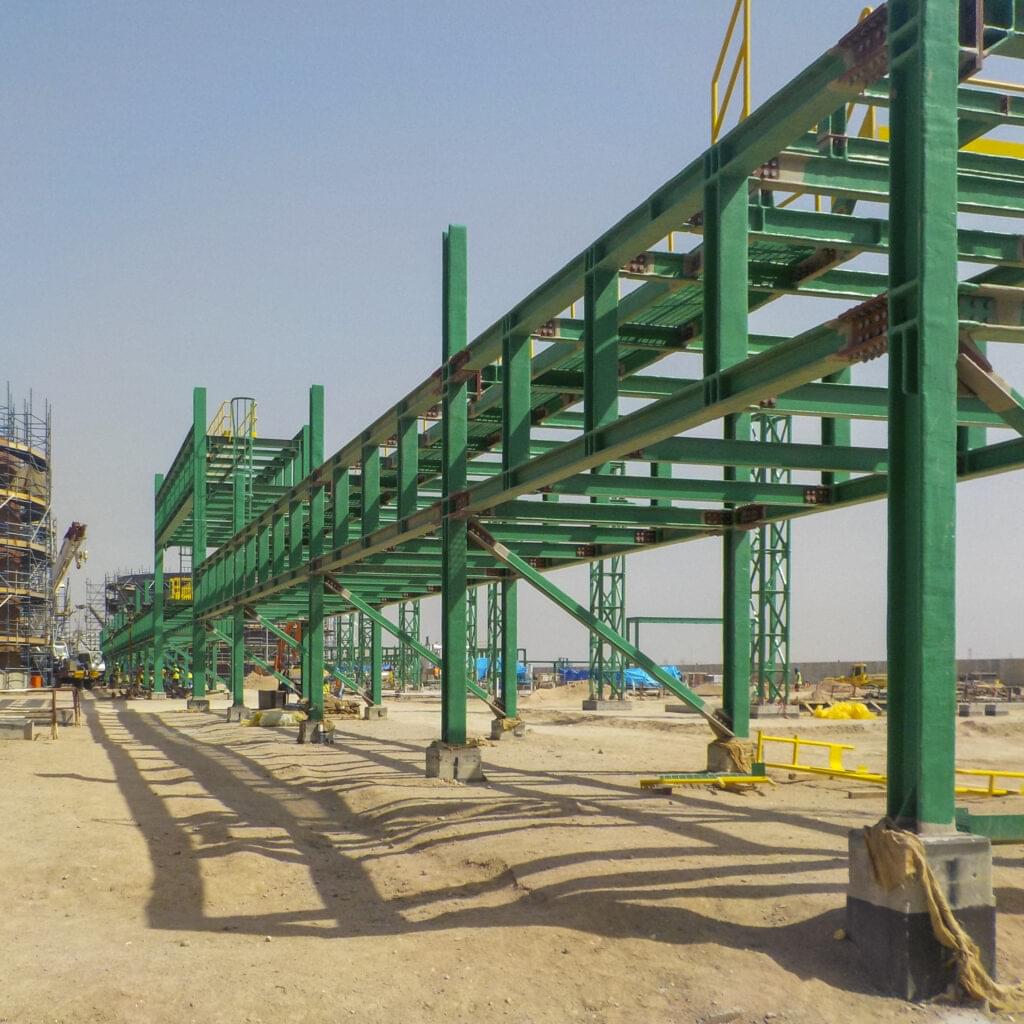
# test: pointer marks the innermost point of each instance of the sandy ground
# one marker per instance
(163, 866)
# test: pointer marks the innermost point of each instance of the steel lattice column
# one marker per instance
(770, 575)
(408, 660)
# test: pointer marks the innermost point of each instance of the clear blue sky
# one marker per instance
(250, 196)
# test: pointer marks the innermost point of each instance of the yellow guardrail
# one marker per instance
(721, 781)
(742, 62)
(836, 769)
(236, 417)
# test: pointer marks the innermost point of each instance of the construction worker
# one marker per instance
(798, 679)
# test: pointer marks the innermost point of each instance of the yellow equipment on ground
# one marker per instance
(859, 678)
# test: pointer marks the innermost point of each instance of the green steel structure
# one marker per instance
(529, 411)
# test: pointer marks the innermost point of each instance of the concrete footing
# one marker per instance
(499, 729)
(156, 695)
(372, 712)
(681, 709)
(991, 710)
(197, 704)
(607, 705)
(767, 711)
(891, 928)
(310, 732)
(17, 729)
(964, 710)
(455, 762)
(238, 712)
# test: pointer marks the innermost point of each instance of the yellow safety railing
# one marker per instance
(234, 418)
(741, 63)
(834, 767)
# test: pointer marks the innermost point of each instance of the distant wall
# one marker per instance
(1010, 670)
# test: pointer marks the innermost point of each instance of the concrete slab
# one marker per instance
(892, 928)
(454, 762)
(607, 705)
(374, 712)
(197, 704)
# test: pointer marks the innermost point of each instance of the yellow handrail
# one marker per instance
(718, 112)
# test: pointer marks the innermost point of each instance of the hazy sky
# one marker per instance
(250, 196)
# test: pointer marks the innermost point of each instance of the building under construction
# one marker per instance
(26, 541)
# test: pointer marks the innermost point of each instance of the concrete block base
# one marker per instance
(310, 732)
(238, 712)
(607, 705)
(680, 709)
(991, 710)
(156, 695)
(964, 710)
(766, 711)
(197, 704)
(458, 763)
(17, 729)
(719, 758)
(891, 928)
(373, 712)
(499, 730)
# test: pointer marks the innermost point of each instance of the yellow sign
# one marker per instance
(179, 588)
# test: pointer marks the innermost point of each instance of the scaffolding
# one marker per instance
(26, 541)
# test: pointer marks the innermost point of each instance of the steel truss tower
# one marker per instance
(770, 574)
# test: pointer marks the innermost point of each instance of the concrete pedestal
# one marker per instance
(197, 704)
(17, 729)
(157, 695)
(373, 712)
(499, 728)
(459, 763)
(720, 760)
(607, 705)
(238, 712)
(310, 732)
(681, 709)
(964, 710)
(768, 711)
(991, 710)
(891, 928)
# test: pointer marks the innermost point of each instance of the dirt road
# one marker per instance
(163, 866)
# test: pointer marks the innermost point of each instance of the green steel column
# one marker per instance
(923, 339)
(509, 652)
(600, 409)
(369, 491)
(340, 494)
(516, 382)
(238, 614)
(726, 220)
(317, 507)
(198, 539)
(408, 465)
(158, 602)
(835, 431)
(453, 483)
(472, 633)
